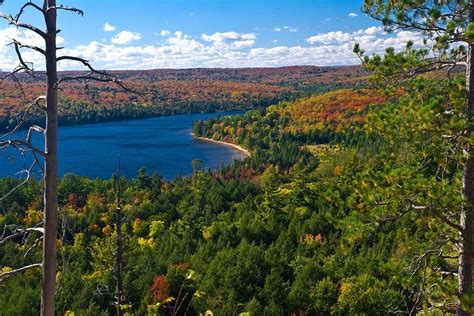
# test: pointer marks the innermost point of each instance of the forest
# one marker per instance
(168, 92)
(315, 222)
(357, 197)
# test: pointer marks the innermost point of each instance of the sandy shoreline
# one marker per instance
(239, 148)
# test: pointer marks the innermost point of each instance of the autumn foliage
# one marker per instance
(337, 108)
(167, 92)
(160, 289)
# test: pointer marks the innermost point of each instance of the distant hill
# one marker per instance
(174, 91)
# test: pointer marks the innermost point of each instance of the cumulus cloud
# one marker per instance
(372, 39)
(165, 33)
(221, 49)
(372, 30)
(109, 27)
(125, 37)
(352, 15)
(230, 39)
(328, 38)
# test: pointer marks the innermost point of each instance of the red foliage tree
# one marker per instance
(160, 289)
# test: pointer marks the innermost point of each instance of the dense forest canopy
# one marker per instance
(316, 221)
(352, 202)
(175, 91)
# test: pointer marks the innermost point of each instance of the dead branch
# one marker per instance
(11, 273)
(21, 145)
(23, 66)
(85, 63)
(92, 75)
(437, 214)
(447, 221)
(28, 172)
(33, 246)
(35, 48)
(67, 8)
(24, 145)
(433, 249)
(26, 5)
(20, 232)
(22, 116)
(12, 21)
(101, 78)
(13, 75)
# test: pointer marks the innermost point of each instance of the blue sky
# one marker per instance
(213, 33)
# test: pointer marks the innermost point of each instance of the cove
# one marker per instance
(161, 144)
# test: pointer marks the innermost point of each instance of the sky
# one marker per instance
(150, 34)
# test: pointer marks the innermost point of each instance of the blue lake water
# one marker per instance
(163, 144)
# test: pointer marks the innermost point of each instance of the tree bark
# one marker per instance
(48, 286)
(119, 249)
(467, 211)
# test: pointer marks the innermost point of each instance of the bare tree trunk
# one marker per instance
(119, 249)
(467, 212)
(48, 286)
(49, 11)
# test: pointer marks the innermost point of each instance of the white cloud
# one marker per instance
(328, 38)
(165, 33)
(230, 39)
(125, 37)
(109, 27)
(290, 29)
(286, 28)
(221, 49)
(182, 44)
(352, 15)
(373, 30)
(179, 34)
(8, 59)
(372, 40)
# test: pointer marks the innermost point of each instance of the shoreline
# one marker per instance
(70, 124)
(239, 148)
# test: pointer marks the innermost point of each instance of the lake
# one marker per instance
(162, 144)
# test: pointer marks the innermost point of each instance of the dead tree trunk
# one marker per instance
(51, 165)
(119, 250)
(50, 132)
(467, 213)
